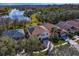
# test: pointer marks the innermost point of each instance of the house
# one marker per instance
(69, 25)
(4, 22)
(42, 31)
(72, 26)
(4, 16)
(15, 33)
(17, 14)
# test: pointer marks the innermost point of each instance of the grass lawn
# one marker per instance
(59, 42)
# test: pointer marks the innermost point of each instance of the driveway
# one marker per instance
(74, 44)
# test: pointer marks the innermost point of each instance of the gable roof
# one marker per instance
(5, 22)
(14, 33)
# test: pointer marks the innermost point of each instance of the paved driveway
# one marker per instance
(74, 44)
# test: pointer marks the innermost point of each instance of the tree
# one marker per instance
(7, 46)
(33, 45)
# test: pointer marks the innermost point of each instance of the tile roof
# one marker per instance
(38, 30)
(46, 27)
(68, 24)
(14, 33)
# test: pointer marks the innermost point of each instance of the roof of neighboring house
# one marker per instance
(5, 22)
(4, 16)
(46, 27)
(14, 33)
(77, 20)
(68, 24)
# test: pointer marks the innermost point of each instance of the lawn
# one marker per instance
(58, 42)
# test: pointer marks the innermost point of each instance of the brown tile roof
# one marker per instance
(49, 26)
(68, 24)
(45, 27)
(38, 30)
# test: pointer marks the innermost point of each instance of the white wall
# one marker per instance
(44, 35)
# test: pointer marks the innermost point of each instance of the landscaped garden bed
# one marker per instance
(60, 42)
(57, 41)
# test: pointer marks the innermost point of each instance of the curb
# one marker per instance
(61, 44)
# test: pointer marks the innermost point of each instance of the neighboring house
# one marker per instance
(4, 16)
(72, 26)
(69, 25)
(4, 22)
(17, 14)
(41, 31)
(76, 20)
(29, 10)
(15, 34)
